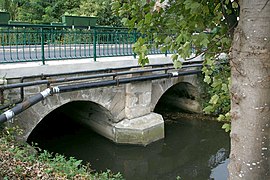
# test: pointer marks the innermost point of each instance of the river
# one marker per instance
(192, 149)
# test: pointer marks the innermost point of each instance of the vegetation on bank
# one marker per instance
(18, 160)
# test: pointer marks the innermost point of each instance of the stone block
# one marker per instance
(141, 131)
(138, 99)
(137, 111)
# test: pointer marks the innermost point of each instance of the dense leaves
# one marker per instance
(40, 11)
(100, 9)
(189, 28)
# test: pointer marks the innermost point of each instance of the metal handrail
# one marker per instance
(35, 43)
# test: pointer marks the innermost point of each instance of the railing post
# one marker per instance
(135, 39)
(42, 46)
(95, 45)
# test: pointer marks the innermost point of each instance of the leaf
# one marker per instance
(174, 57)
(115, 5)
(163, 49)
(124, 21)
(181, 38)
(141, 40)
(195, 6)
(140, 25)
(77, 163)
(217, 7)
(234, 5)
(205, 9)
(208, 109)
(214, 99)
(228, 116)
(221, 117)
(227, 127)
(148, 18)
(177, 64)
(216, 82)
(207, 79)
(144, 49)
(143, 2)
(224, 87)
(204, 42)
(167, 40)
(209, 62)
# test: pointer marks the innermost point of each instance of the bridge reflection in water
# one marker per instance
(191, 149)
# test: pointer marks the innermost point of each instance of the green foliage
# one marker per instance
(141, 48)
(188, 28)
(108, 175)
(9, 6)
(226, 127)
(217, 76)
(40, 11)
(20, 160)
(100, 9)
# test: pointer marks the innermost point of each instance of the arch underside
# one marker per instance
(78, 113)
(107, 103)
(181, 93)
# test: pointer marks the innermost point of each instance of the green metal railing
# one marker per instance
(27, 43)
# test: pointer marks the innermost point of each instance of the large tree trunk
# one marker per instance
(250, 93)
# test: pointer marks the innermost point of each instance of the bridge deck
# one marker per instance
(36, 68)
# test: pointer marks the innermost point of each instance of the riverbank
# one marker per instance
(18, 160)
(176, 116)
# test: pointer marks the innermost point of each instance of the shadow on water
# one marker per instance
(191, 149)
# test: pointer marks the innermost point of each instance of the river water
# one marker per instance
(192, 149)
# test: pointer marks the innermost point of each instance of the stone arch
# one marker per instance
(186, 89)
(87, 113)
(106, 97)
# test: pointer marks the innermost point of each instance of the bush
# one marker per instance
(18, 160)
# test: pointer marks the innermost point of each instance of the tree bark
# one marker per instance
(250, 93)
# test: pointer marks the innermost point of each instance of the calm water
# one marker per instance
(191, 149)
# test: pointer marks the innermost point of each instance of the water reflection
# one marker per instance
(191, 150)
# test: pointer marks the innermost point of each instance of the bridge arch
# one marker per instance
(107, 99)
(74, 113)
(182, 92)
(125, 113)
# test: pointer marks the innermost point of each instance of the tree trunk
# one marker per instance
(250, 93)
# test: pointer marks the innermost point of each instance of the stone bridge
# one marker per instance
(123, 113)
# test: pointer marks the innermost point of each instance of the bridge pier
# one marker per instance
(141, 130)
(139, 125)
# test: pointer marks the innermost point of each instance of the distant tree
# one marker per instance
(40, 11)
(31, 10)
(100, 9)
(10, 6)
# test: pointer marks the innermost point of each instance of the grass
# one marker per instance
(18, 160)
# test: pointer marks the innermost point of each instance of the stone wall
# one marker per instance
(121, 113)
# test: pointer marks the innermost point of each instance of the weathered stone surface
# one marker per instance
(121, 113)
(138, 99)
(141, 130)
